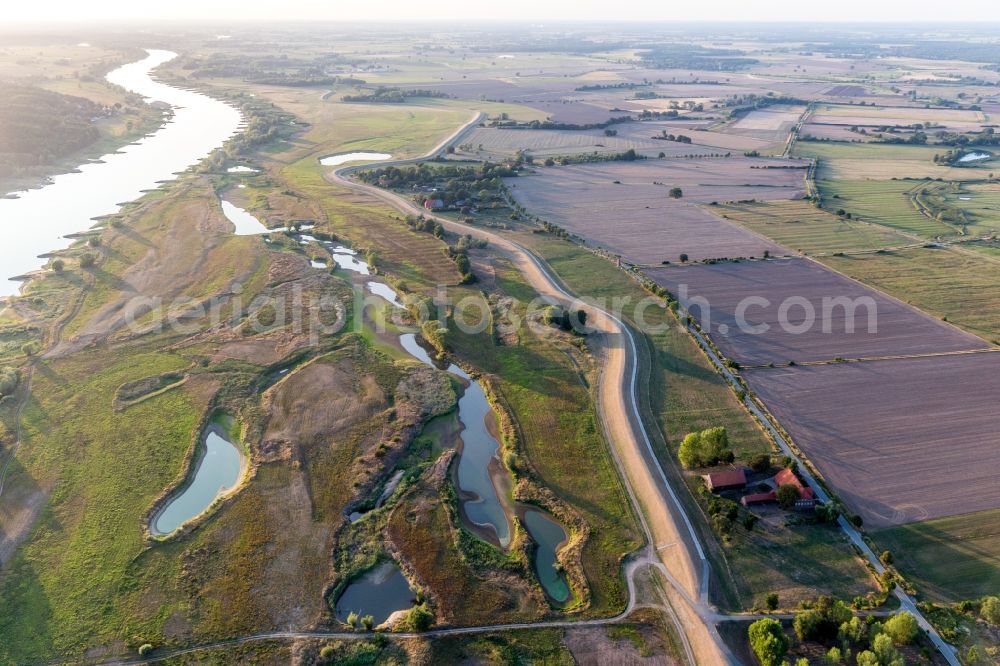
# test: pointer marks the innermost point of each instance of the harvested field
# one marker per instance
(949, 119)
(794, 283)
(799, 225)
(900, 440)
(698, 132)
(960, 286)
(638, 220)
(500, 143)
(831, 132)
(771, 124)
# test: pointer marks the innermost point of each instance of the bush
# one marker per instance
(886, 652)
(902, 628)
(87, 260)
(327, 652)
(852, 631)
(8, 381)
(419, 618)
(990, 610)
(787, 495)
(768, 641)
(145, 649)
(58, 265)
(760, 462)
(771, 601)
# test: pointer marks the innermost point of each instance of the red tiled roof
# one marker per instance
(757, 498)
(787, 476)
(725, 479)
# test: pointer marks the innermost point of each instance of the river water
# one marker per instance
(38, 220)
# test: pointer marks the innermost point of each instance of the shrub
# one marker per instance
(787, 495)
(771, 601)
(990, 610)
(87, 260)
(419, 618)
(768, 641)
(902, 628)
(852, 631)
(834, 656)
(352, 619)
(327, 652)
(760, 462)
(145, 649)
(886, 557)
(368, 622)
(58, 265)
(8, 381)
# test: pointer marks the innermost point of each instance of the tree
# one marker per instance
(675, 193)
(867, 658)
(327, 652)
(768, 641)
(834, 656)
(771, 601)
(886, 557)
(368, 622)
(852, 631)
(87, 260)
(352, 619)
(822, 621)
(690, 451)
(787, 495)
(58, 265)
(990, 610)
(902, 628)
(886, 652)
(683, 258)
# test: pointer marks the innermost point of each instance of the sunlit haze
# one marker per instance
(519, 10)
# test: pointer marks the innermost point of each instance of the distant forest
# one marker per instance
(38, 127)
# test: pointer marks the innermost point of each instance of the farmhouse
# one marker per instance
(433, 204)
(725, 480)
(785, 477)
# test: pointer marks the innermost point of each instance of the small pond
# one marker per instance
(245, 223)
(549, 535)
(220, 465)
(241, 169)
(380, 592)
(974, 157)
(344, 158)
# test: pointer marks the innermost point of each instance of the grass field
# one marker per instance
(958, 286)
(948, 559)
(885, 202)
(881, 161)
(686, 394)
(800, 226)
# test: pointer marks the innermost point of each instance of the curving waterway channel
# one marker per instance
(38, 221)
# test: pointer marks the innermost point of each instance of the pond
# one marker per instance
(380, 592)
(344, 158)
(549, 535)
(219, 468)
(974, 157)
(245, 223)
(477, 465)
(241, 169)
(44, 216)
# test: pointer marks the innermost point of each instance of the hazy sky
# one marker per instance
(525, 10)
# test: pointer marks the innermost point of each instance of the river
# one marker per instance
(38, 220)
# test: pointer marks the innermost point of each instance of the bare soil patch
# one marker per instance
(800, 286)
(900, 440)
